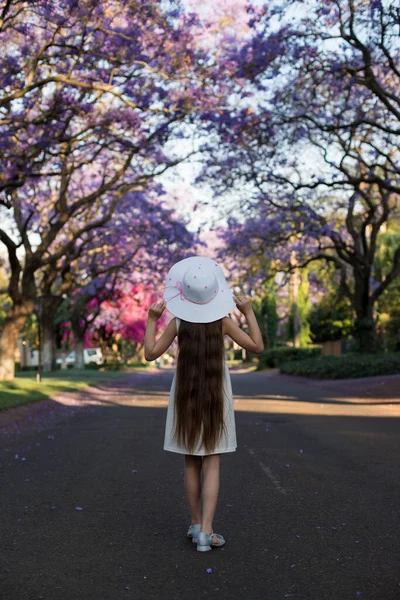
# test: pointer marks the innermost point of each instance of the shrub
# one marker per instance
(113, 366)
(273, 357)
(345, 367)
(138, 364)
(93, 365)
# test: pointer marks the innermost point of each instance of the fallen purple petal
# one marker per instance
(78, 508)
(208, 570)
(16, 456)
(134, 471)
(23, 458)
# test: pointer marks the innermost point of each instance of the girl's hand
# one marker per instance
(244, 304)
(156, 310)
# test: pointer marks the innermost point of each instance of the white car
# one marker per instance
(90, 355)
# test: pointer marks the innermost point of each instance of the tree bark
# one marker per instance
(79, 330)
(64, 355)
(13, 324)
(79, 359)
(365, 330)
(364, 325)
(295, 281)
(48, 345)
(49, 305)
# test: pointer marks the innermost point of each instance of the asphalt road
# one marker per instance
(92, 507)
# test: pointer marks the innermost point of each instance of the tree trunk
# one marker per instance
(64, 355)
(294, 283)
(79, 330)
(365, 332)
(48, 344)
(364, 326)
(79, 359)
(49, 305)
(13, 324)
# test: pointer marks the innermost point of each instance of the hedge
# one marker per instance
(275, 356)
(345, 366)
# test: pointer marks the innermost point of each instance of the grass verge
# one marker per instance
(24, 388)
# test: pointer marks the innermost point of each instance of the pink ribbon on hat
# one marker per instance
(180, 293)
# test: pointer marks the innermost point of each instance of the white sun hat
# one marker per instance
(196, 291)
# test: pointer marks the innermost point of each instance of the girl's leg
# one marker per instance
(210, 490)
(192, 473)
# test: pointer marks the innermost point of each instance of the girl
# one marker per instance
(200, 418)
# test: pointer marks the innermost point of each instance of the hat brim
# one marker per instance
(219, 307)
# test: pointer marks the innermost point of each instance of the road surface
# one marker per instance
(93, 508)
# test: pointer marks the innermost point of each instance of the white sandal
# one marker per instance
(205, 543)
(193, 532)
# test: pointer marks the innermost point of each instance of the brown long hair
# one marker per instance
(199, 394)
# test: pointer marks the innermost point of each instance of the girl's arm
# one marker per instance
(253, 342)
(152, 348)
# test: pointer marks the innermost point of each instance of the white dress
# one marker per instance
(227, 441)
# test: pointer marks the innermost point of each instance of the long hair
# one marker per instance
(199, 395)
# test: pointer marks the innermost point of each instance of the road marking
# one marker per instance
(269, 473)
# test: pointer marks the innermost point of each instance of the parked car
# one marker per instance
(90, 355)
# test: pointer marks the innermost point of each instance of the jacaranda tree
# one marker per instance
(90, 92)
(311, 143)
(139, 242)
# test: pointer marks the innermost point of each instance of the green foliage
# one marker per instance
(303, 306)
(273, 357)
(264, 306)
(345, 366)
(389, 328)
(113, 366)
(388, 304)
(387, 243)
(332, 318)
(5, 304)
(93, 366)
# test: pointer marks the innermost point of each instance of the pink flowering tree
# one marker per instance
(124, 316)
(140, 241)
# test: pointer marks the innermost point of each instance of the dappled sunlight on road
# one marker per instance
(268, 403)
(330, 408)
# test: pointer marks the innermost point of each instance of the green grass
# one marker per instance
(24, 388)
